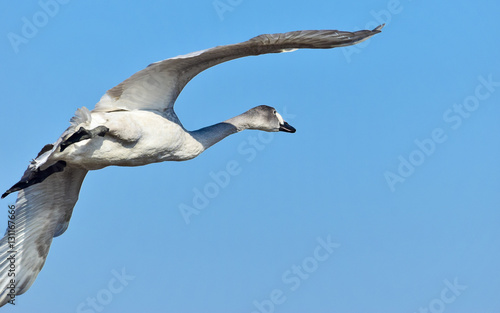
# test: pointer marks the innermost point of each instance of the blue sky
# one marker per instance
(385, 200)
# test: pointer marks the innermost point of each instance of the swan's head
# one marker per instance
(266, 118)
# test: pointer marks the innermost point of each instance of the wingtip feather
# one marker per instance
(378, 29)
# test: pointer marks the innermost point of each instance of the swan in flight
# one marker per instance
(133, 124)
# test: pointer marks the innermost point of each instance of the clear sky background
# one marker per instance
(386, 199)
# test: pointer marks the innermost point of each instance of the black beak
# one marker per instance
(285, 127)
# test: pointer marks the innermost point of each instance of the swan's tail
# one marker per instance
(43, 165)
(82, 118)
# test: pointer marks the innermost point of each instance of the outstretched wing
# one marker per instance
(157, 86)
(42, 212)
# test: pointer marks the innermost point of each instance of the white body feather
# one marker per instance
(148, 138)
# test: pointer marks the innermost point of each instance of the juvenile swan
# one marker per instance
(133, 124)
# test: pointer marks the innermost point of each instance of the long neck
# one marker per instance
(208, 136)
